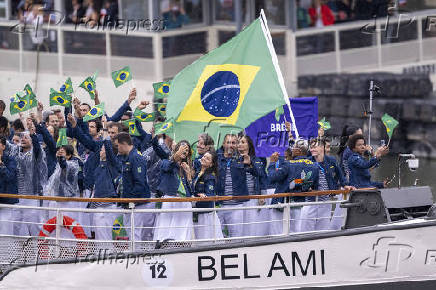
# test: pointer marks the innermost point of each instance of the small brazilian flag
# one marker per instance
(121, 76)
(118, 229)
(29, 92)
(144, 117)
(162, 109)
(95, 112)
(59, 98)
(324, 124)
(22, 102)
(67, 87)
(62, 139)
(181, 190)
(390, 124)
(164, 128)
(279, 111)
(161, 90)
(131, 124)
(89, 85)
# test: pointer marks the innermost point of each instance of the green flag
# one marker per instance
(121, 76)
(390, 124)
(67, 87)
(164, 128)
(230, 87)
(89, 85)
(161, 90)
(33, 102)
(181, 190)
(131, 124)
(324, 124)
(59, 98)
(95, 112)
(162, 109)
(62, 139)
(144, 117)
(279, 111)
(118, 229)
(22, 102)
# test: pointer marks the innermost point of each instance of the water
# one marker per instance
(426, 173)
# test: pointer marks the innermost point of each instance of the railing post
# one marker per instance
(132, 227)
(59, 219)
(214, 213)
(286, 219)
(338, 52)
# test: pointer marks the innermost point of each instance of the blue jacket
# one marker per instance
(344, 162)
(360, 176)
(50, 147)
(205, 184)
(8, 178)
(197, 163)
(291, 170)
(154, 155)
(134, 176)
(106, 173)
(119, 113)
(238, 172)
(333, 173)
(170, 181)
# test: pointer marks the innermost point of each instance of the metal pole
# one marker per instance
(238, 15)
(286, 219)
(371, 96)
(293, 15)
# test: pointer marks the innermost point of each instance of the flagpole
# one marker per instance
(275, 62)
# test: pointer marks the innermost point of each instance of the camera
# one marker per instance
(413, 164)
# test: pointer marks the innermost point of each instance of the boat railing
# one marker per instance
(57, 240)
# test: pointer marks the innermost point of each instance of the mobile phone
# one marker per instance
(382, 143)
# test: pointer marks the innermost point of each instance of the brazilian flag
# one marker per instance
(161, 90)
(59, 98)
(67, 87)
(131, 124)
(181, 190)
(21, 102)
(144, 117)
(279, 111)
(324, 124)
(121, 76)
(95, 112)
(118, 229)
(390, 124)
(164, 128)
(89, 85)
(229, 88)
(29, 92)
(62, 139)
(162, 109)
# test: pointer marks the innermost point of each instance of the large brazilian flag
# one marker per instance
(230, 87)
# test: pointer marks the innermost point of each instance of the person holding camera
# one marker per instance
(360, 177)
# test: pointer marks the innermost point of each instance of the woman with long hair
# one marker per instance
(344, 151)
(176, 177)
(204, 184)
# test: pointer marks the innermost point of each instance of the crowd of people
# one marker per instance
(102, 160)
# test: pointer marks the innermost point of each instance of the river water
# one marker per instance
(426, 173)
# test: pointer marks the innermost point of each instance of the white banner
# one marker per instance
(389, 255)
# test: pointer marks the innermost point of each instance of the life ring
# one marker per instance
(68, 223)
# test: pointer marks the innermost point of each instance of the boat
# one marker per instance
(387, 238)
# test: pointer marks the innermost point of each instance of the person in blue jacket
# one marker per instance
(204, 185)
(296, 175)
(106, 170)
(205, 142)
(360, 177)
(344, 151)
(134, 185)
(176, 177)
(8, 184)
(232, 181)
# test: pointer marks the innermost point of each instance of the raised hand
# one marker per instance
(72, 120)
(40, 107)
(274, 157)
(247, 159)
(143, 105)
(132, 96)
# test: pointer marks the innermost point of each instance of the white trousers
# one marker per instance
(276, 222)
(295, 220)
(208, 226)
(233, 219)
(28, 219)
(144, 223)
(315, 217)
(174, 225)
(103, 223)
(338, 217)
(7, 215)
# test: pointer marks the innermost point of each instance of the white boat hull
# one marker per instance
(404, 251)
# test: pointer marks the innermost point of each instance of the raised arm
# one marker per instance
(83, 138)
(124, 107)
